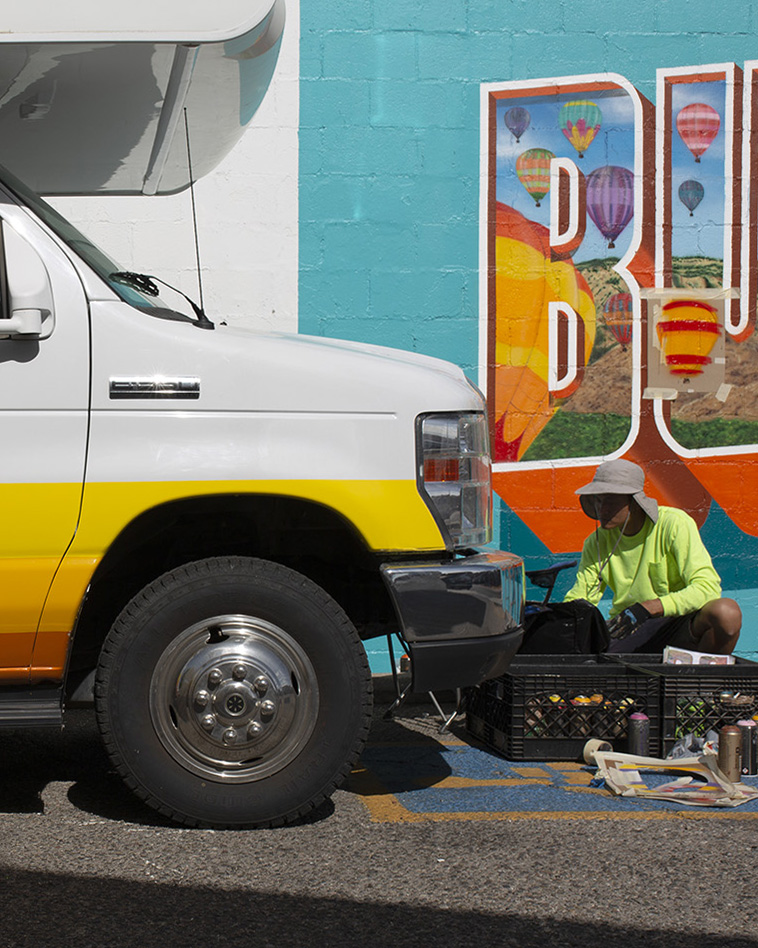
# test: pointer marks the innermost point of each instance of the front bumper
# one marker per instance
(461, 619)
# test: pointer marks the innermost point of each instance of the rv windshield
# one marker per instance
(102, 264)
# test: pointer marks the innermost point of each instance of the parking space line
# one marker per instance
(464, 783)
(383, 806)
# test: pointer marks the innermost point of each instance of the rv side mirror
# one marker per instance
(23, 322)
(26, 294)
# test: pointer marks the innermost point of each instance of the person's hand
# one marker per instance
(627, 621)
(653, 606)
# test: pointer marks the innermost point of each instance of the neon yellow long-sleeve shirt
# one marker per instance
(665, 560)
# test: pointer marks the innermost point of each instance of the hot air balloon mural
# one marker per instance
(580, 121)
(687, 331)
(698, 125)
(517, 121)
(691, 194)
(533, 170)
(610, 200)
(618, 313)
(527, 280)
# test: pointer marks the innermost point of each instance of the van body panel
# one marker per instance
(44, 417)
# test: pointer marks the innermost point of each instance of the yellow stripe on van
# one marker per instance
(38, 519)
(390, 515)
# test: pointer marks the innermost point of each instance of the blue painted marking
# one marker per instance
(407, 772)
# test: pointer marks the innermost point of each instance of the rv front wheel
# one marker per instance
(233, 692)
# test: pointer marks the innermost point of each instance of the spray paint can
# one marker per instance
(749, 732)
(730, 752)
(639, 734)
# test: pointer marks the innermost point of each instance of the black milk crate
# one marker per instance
(546, 707)
(699, 698)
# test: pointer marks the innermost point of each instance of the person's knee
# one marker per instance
(724, 616)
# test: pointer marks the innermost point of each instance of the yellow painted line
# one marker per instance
(406, 816)
(529, 771)
(423, 742)
(383, 807)
(577, 787)
(583, 779)
(466, 783)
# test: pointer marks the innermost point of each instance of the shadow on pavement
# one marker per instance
(34, 757)
(108, 912)
(407, 749)
(408, 746)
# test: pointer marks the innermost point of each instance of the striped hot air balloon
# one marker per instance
(698, 125)
(533, 170)
(580, 121)
(618, 314)
(527, 280)
(610, 200)
(688, 330)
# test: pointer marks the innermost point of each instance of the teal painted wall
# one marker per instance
(389, 140)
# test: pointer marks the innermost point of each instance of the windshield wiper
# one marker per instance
(144, 283)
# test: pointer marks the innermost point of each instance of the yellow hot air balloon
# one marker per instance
(527, 281)
(688, 330)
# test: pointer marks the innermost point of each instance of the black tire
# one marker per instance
(233, 692)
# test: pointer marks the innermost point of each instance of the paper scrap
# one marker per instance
(697, 781)
(673, 655)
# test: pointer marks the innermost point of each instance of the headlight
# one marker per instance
(455, 476)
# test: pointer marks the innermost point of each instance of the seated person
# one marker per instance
(665, 589)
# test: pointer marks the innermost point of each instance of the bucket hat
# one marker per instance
(618, 477)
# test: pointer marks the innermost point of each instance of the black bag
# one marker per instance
(565, 628)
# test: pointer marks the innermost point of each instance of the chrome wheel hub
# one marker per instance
(234, 698)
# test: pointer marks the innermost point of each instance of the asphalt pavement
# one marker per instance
(433, 842)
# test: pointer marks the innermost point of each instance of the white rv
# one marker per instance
(202, 523)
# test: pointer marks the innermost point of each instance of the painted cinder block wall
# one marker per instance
(389, 183)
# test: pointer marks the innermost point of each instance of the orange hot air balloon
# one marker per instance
(687, 331)
(533, 170)
(527, 280)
